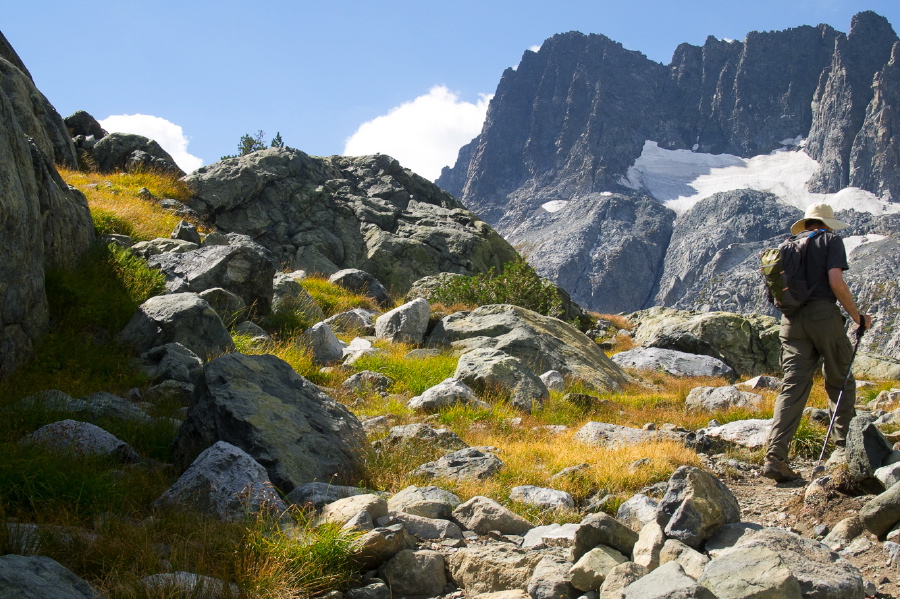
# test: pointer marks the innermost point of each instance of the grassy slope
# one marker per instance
(97, 517)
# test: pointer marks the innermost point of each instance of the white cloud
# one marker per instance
(535, 48)
(168, 135)
(424, 134)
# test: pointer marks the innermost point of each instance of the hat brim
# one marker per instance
(833, 224)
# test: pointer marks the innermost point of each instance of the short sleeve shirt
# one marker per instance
(826, 251)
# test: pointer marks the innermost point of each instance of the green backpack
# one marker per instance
(784, 272)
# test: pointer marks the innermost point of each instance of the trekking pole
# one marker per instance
(819, 468)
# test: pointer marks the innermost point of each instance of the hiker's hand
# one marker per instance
(865, 321)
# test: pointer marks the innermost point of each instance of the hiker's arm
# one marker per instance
(843, 295)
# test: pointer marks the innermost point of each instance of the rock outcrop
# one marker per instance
(46, 223)
(327, 214)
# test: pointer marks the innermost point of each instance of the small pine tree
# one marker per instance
(277, 142)
(251, 143)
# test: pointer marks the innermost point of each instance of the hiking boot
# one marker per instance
(778, 470)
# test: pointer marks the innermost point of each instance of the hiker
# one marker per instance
(813, 331)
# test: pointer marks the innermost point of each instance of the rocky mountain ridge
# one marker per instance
(551, 167)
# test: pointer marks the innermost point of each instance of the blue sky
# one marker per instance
(406, 78)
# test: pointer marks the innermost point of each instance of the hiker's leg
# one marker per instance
(836, 350)
(798, 361)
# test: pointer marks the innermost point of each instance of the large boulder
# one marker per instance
(543, 343)
(182, 318)
(695, 505)
(415, 573)
(48, 222)
(866, 450)
(492, 568)
(604, 434)
(71, 437)
(428, 502)
(820, 572)
(225, 482)
(676, 363)
(405, 324)
(243, 267)
(129, 151)
(667, 582)
(493, 372)
(748, 343)
(36, 577)
(711, 399)
(258, 403)
(482, 515)
(750, 572)
(449, 392)
(326, 214)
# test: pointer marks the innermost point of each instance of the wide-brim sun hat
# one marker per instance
(822, 212)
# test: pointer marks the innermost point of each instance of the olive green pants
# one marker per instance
(815, 331)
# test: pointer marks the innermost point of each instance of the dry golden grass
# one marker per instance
(114, 197)
(620, 322)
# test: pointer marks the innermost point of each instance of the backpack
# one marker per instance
(784, 272)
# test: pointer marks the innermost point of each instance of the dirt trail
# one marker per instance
(764, 502)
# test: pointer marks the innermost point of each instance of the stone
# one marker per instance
(95, 408)
(692, 561)
(115, 151)
(553, 380)
(255, 332)
(874, 365)
(676, 363)
(602, 434)
(70, 437)
(591, 569)
(172, 361)
(377, 546)
(375, 589)
(421, 527)
(418, 435)
(882, 512)
(319, 494)
(751, 433)
(760, 382)
(597, 529)
(493, 372)
(291, 299)
(225, 482)
(415, 573)
(160, 245)
(182, 318)
(866, 450)
(367, 380)
(189, 584)
(187, 232)
(243, 267)
(885, 400)
(359, 281)
(667, 582)
(747, 343)
(695, 505)
(258, 403)
(341, 511)
(37, 577)
(541, 342)
(546, 499)
(449, 392)
(404, 324)
(756, 572)
(229, 306)
(322, 344)
(550, 580)
(482, 515)
(728, 536)
(471, 463)
(820, 572)
(619, 578)
(649, 545)
(360, 522)
(636, 511)
(888, 475)
(492, 568)
(712, 399)
(427, 502)
(81, 122)
(357, 321)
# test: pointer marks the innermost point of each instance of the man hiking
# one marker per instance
(815, 330)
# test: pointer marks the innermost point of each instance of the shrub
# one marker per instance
(517, 283)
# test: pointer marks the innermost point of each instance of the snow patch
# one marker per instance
(681, 178)
(854, 241)
(796, 141)
(554, 205)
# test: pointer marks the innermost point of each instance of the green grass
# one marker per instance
(334, 299)
(411, 376)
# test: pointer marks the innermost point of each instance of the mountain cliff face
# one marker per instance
(551, 167)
